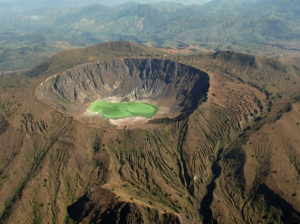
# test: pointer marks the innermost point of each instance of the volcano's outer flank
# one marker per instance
(235, 159)
(175, 88)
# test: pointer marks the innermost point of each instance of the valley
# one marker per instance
(32, 32)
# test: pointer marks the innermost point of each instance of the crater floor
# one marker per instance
(117, 110)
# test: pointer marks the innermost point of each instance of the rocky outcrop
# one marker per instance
(102, 206)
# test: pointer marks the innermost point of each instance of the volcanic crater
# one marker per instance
(176, 89)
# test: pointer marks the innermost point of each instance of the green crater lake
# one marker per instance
(123, 109)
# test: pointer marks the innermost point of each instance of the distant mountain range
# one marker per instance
(77, 3)
(268, 27)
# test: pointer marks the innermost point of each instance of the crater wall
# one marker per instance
(176, 87)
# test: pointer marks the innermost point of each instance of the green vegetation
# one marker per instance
(3, 125)
(223, 25)
(36, 215)
(123, 109)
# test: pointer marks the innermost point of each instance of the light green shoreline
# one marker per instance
(123, 109)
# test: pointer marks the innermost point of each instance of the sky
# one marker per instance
(104, 2)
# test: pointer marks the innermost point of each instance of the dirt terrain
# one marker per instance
(232, 158)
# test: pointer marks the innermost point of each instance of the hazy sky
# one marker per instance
(104, 2)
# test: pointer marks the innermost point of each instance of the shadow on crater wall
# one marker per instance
(177, 87)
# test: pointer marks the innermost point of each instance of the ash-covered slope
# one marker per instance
(174, 86)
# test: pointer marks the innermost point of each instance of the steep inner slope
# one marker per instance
(175, 88)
